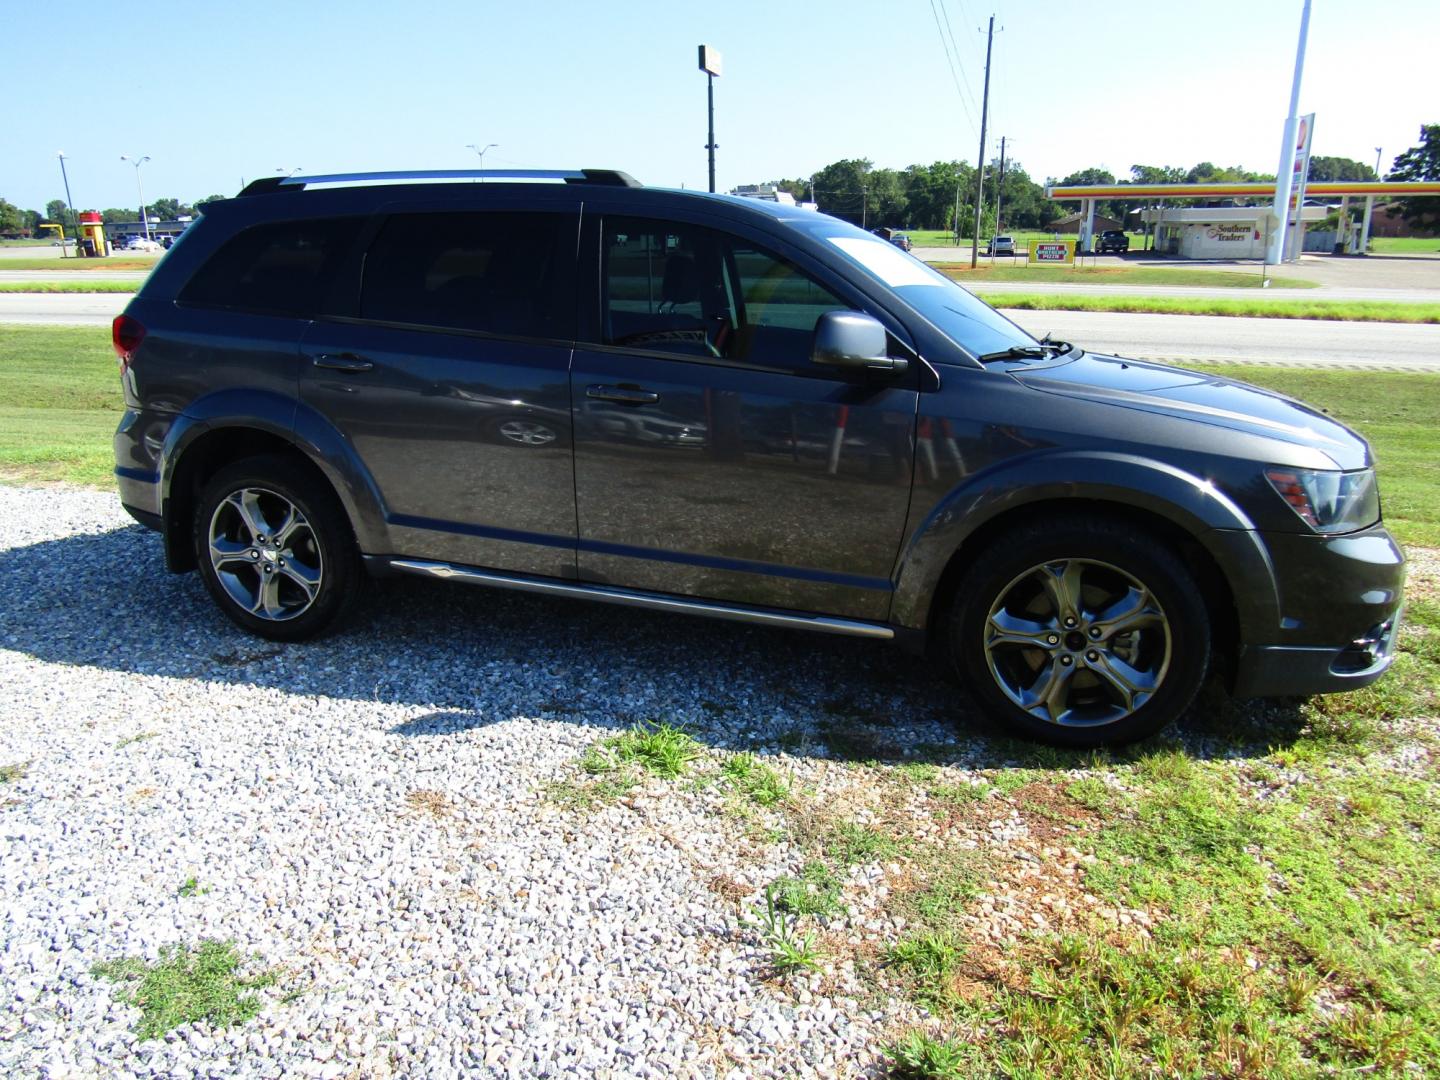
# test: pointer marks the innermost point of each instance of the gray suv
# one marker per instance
(571, 384)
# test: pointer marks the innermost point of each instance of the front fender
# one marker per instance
(1090, 476)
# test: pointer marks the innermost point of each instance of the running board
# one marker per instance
(632, 598)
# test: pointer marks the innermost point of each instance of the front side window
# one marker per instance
(679, 288)
(284, 268)
(504, 273)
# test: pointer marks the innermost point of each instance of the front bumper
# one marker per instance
(1340, 600)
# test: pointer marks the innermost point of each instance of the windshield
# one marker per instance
(978, 328)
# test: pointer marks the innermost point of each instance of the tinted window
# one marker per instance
(502, 273)
(284, 268)
(684, 289)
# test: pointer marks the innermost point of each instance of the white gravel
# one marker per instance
(369, 815)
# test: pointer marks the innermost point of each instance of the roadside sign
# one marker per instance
(1052, 252)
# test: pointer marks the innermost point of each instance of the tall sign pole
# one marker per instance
(1284, 180)
(710, 64)
(980, 163)
(70, 206)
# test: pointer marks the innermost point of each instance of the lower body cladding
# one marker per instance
(1340, 600)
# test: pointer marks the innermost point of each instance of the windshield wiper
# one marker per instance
(1043, 347)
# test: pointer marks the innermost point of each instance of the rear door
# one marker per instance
(712, 458)
(448, 375)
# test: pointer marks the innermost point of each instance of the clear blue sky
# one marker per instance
(215, 94)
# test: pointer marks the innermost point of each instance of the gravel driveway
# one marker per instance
(375, 820)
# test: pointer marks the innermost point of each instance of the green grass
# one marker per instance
(1405, 245)
(191, 887)
(80, 266)
(9, 774)
(918, 1056)
(1122, 275)
(791, 949)
(851, 843)
(61, 402)
(816, 891)
(1344, 310)
(29, 242)
(756, 781)
(130, 740)
(1398, 414)
(659, 748)
(186, 985)
(68, 286)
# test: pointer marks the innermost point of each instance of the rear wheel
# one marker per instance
(1081, 633)
(275, 549)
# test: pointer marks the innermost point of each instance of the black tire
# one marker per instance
(1130, 664)
(289, 586)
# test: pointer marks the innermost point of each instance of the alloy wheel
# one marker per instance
(265, 554)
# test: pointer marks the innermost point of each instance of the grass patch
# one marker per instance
(753, 779)
(851, 843)
(191, 887)
(1343, 310)
(659, 748)
(816, 891)
(82, 266)
(10, 774)
(61, 402)
(918, 1056)
(1405, 245)
(1398, 414)
(130, 740)
(1122, 275)
(186, 985)
(931, 961)
(68, 286)
(589, 796)
(790, 949)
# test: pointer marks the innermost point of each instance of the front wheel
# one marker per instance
(1081, 633)
(275, 549)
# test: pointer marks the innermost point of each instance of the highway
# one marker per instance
(1291, 342)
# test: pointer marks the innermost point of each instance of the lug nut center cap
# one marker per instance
(1075, 641)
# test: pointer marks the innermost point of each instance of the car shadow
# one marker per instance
(470, 657)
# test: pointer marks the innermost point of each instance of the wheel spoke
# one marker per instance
(246, 503)
(267, 598)
(1062, 585)
(1049, 697)
(1008, 629)
(306, 577)
(1136, 610)
(1131, 686)
(225, 552)
(294, 521)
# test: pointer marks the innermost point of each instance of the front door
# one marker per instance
(712, 458)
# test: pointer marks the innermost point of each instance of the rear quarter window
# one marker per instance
(283, 268)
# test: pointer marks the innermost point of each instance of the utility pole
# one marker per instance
(955, 221)
(1284, 177)
(1000, 187)
(1377, 161)
(980, 164)
(70, 206)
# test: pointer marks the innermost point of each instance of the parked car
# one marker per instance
(1001, 245)
(1113, 241)
(140, 243)
(69, 241)
(895, 236)
(736, 409)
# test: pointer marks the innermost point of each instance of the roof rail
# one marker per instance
(599, 177)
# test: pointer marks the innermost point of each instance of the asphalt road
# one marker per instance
(1292, 342)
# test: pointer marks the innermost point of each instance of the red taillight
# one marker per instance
(126, 334)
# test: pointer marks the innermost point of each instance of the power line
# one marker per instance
(945, 11)
(950, 61)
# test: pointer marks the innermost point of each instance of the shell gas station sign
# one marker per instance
(1052, 252)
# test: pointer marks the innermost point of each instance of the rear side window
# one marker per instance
(284, 268)
(501, 272)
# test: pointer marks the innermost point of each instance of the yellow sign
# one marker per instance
(1052, 252)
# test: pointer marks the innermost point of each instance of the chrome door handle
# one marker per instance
(623, 394)
(342, 362)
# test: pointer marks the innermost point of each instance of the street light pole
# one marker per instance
(710, 64)
(1377, 161)
(69, 206)
(481, 151)
(137, 162)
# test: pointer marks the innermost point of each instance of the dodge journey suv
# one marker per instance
(570, 384)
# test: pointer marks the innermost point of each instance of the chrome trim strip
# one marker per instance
(435, 174)
(655, 601)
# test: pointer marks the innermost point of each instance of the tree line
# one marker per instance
(929, 196)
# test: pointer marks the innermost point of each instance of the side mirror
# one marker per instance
(852, 339)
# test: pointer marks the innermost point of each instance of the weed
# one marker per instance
(932, 960)
(918, 772)
(790, 950)
(430, 802)
(961, 793)
(1091, 793)
(758, 782)
(918, 1056)
(815, 892)
(947, 892)
(185, 985)
(9, 774)
(658, 747)
(129, 739)
(191, 887)
(590, 795)
(852, 843)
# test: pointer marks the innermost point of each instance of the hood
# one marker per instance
(1204, 399)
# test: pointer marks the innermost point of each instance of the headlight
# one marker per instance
(1329, 502)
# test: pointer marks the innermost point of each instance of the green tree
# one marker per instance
(169, 209)
(12, 218)
(1114, 208)
(1420, 162)
(930, 193)
(1338, 168)
(117, 214)
(841, 189)
(221, 198)
(55, 211)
